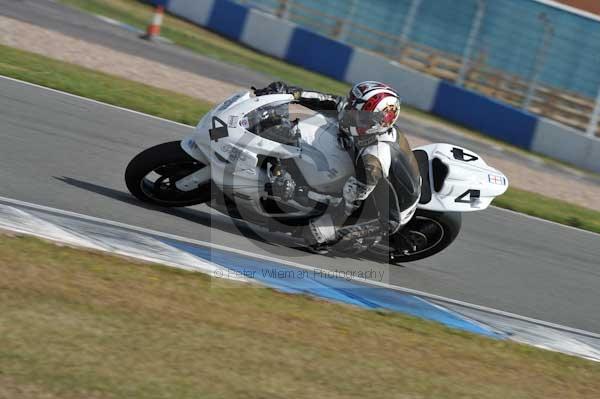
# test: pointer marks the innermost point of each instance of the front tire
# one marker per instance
(152, 174)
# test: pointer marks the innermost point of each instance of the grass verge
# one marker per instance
(121, 92)
(76, 324)
(74, 79)
(550, 209)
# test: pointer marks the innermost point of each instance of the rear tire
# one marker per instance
(433, 231)
(169, 162)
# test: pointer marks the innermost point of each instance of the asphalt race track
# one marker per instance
(70, 153)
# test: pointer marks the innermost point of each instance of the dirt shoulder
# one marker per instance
(59, 46)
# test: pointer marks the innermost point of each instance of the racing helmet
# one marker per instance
(371, 108)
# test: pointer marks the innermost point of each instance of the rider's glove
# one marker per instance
(273, 88)
(279, 88)
(295, 91)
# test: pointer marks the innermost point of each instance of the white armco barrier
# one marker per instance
(566, 144)
(267, 33)
(415, 88)
(197, 11)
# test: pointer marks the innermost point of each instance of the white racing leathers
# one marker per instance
(372, 156)
(372, 162)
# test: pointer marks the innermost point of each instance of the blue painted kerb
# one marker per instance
(324, 285)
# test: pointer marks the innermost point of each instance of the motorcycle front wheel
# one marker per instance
(152, 174)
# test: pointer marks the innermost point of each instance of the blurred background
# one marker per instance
(538, 55)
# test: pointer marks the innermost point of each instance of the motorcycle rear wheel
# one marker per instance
(152, 174)
(430, 232)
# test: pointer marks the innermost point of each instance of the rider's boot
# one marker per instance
(320, 233)
(323, 232)
(327, 230)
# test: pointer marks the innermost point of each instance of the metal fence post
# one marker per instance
(343, 36)
(473, 35)
(540, 59)
(408, 24)
(284, 9)
(593, 125)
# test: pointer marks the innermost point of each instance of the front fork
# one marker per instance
(194, 180)
(201, 176)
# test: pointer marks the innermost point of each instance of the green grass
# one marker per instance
(99, 86)
(551, 209)
(75, 324)
(121, 92)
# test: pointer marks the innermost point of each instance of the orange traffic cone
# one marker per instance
(153, 30)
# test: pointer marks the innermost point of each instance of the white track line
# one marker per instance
(191, 127)
(300, 266)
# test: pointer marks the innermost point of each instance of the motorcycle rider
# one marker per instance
(366, 129)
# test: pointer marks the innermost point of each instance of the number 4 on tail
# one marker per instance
(463, 156)
(468, 197)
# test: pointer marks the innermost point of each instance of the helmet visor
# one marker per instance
(365, 122)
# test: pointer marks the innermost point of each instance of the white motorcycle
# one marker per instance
(248, 159)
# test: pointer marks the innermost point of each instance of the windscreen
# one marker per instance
(272, 122)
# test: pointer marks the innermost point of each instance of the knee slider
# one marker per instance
(370, 170)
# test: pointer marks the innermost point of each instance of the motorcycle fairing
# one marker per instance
(323, 164)
(456, 179)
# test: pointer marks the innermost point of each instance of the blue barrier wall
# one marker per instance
(484, 114)
(228, 18)
(319, 53)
